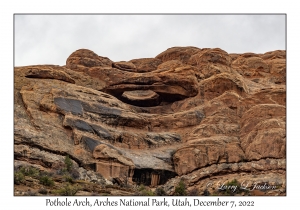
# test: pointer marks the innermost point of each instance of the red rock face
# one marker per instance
(200, 114)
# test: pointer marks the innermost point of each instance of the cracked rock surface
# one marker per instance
(199, 114)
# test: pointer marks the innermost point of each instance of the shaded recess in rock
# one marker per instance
(156, 97)
(145, 176)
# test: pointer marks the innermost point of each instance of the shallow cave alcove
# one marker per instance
(145, 97)
(151, 177)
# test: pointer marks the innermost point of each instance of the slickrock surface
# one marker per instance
(194, 115)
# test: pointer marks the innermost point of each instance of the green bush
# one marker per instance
(146, 192)
(180, 189)
(142, 187)
(233, 183)
(229, 191)
(19, 177)
(67, 190)
(206, 193)
(30, 171)
(160, 191)
(68, 163)
(68, 178)
(47, 181)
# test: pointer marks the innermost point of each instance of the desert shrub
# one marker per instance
(141, 187)
(233, 183)
(46, 181)
(160, 191)
(60, 171)
(68, 178)
(180, 189)
(43, 191)
(229, 191)
(206, 193)
(30, 171)
(193, 192)
(68, 163)
(146, 192)
(67, 169)
(19, 177)
(67, 190)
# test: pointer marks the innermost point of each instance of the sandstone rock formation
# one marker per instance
(193, 115)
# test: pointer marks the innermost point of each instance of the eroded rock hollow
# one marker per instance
(189, 114)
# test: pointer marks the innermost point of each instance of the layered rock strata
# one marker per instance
(197, 115)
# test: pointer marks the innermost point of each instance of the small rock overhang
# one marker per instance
(152, 177)
(112, 169)
(111, 164)
(148, 95)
